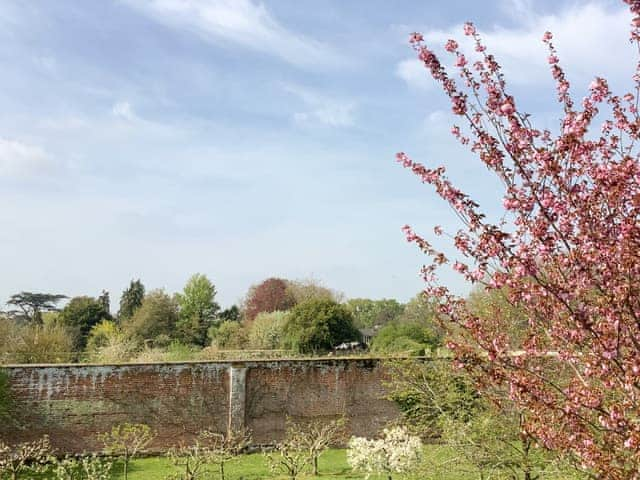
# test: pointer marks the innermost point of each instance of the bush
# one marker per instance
(266, 331)
(229, 335)
(319, 325)
(396, 452)
(410, 337)
(156, 318)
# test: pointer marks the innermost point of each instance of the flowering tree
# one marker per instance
(567, 254)
(396, 452)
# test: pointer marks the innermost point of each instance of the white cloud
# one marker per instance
(591, 40)
(20, 159)
(242, 22)
(414, 74)
(323, 110)
(124, 110)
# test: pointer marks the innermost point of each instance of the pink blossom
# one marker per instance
(451, 46)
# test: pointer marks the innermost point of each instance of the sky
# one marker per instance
(246, 139)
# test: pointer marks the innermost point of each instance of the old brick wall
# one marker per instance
(73, 403)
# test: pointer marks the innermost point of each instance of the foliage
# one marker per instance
(156, 318)
(309, 289)
(224, 448)
(24, 458)
(431, 390)
(442, 402)
(6, 398)
(289, 458)
(269, 296)
(316, 437)
(34, 343)
(368, 313)
(87, 467)
(80, 315)
(266, 330)
(131, 300)
(127, 440)
(108, 344)
(568, 255)
(231, 314)
(319, 325)
(198, 310)
(31, 305)
(396, 452)
(191, 460)
(413, 337)
(229, 335)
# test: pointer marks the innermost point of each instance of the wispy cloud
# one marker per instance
(19, 159)
(124, 110)
(242, 22)
(585, 35)
(322, 109)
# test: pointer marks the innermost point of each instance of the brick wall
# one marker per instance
(73, 403)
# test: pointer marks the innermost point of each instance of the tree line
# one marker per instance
(291, 316)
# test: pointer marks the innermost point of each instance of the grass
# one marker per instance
(440, 463)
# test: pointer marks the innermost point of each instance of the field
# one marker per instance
(439, 464)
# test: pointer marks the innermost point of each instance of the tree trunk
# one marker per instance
(315, 465)
(221, 470)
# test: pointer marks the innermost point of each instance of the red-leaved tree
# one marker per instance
(567, 255)
(268, 296)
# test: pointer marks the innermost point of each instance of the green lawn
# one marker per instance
(440, 463)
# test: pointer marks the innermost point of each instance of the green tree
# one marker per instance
(127, 440)
(31, 305)
(80, 315)
(266, 330)
(415, 337)
(198, 310)
(229, 335)
(367, 313)
(309, 289)
(157, 317)
(319, 325)
(131, 300)
(231, 314)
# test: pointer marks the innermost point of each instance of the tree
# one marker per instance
(157, 317)
(567, 252)
(269, 296)
(80, 315)
(131, 300)
(88, 467)
(319, 325)
(317, 436)
(105, 300)
(231, 314)
(229, 335)
(33, 304)
(224, 448)
(413, 337)
(198, 310)
(396, 452)
(266, 331)
(368, 313)
(29, 457)
(309, 289)
(127, 440)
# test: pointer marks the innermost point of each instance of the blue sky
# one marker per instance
(245, 139)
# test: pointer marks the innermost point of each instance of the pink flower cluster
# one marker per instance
(569, 260)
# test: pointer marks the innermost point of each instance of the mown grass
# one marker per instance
(440, 463)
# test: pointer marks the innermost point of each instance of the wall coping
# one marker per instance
(234, 362)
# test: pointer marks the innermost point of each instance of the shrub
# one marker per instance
(396, 452)
(319, 325)
(127, 440)
(266, 331)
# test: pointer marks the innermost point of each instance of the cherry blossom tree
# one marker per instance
(566, 254)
